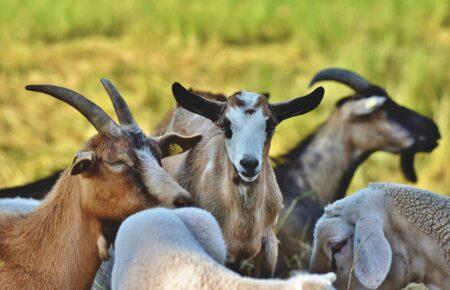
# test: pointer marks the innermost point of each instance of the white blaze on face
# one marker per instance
(248, 135)
(158, 182)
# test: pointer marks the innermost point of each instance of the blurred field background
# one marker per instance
(221, 46)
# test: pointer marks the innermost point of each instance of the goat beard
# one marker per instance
(407, 165)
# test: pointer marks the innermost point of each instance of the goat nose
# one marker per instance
(249, 163)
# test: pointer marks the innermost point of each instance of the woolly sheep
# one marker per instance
(18, 205)
(185, 249)
(398, 233)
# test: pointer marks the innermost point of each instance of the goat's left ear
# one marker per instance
(82, 162)
(297, 106)
(173, 144)
(366, 106)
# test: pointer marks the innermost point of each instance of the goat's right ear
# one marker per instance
(173, 144)
(372, 252)
(197, 104)
(83, 162)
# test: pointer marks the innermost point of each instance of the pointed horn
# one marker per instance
(351, 79)
(95, 115)
(120, 106)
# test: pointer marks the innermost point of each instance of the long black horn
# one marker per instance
(95, 115)
(344, 76)
(120, 106)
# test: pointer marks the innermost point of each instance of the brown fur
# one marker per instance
(56, 246)
(246, 212)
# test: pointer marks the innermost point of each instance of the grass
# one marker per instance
(275, 46)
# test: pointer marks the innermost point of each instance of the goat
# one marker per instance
(389, 235)
(117, 173)
(319, 170)
(184, 249)
(228, 171)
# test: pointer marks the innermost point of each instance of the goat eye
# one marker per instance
(226, 128)
(336, 247)
(117, 164)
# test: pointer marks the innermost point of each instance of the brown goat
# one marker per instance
(229, 169)
(117, 173)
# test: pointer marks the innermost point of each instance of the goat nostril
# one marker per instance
(182, 201)
(249, 163)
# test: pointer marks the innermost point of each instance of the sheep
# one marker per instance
(184, 249)
(228, 172)
(398, 234)
(319, 170)
(18, 205)
(117, 173)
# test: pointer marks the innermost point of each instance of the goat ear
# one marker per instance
(372, 252)
(197, 104)
(297, 106)
(366, 106)
(173, 144)
(266, 95)
(82, 162)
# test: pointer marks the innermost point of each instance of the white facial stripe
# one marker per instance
(248, 135)
(248, 98)
(156, 179)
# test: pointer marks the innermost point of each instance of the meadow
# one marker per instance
(221, 46)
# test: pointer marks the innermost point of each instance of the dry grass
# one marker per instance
(224, 46)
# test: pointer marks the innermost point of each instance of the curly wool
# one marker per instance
(429, 212)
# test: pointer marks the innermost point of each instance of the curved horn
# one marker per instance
(344, 76)
(95, 115)
(197, 104)
(120, 106)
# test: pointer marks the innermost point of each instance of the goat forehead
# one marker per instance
(242, 117)
(249, 99)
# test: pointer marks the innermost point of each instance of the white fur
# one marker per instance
(249, 134)
(184, 249)
(157, 179)
(18, 205)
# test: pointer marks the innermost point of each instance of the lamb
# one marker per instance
(18, 205)
(228, 171)
(117, 173)
(399, 234)
(184, 249)
(361, 124)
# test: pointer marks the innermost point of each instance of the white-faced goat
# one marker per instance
(228, 172)
(184, 249)
(321, 166)
(116, 174)
(390, 234)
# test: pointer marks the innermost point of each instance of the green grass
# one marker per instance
(275, 46)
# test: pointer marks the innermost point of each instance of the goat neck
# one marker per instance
(66, 259)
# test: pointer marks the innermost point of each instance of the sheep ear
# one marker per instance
(173, 144)
(372, 252)
(82, 162)
(367, 106)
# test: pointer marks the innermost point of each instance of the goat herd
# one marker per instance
(212, 152)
